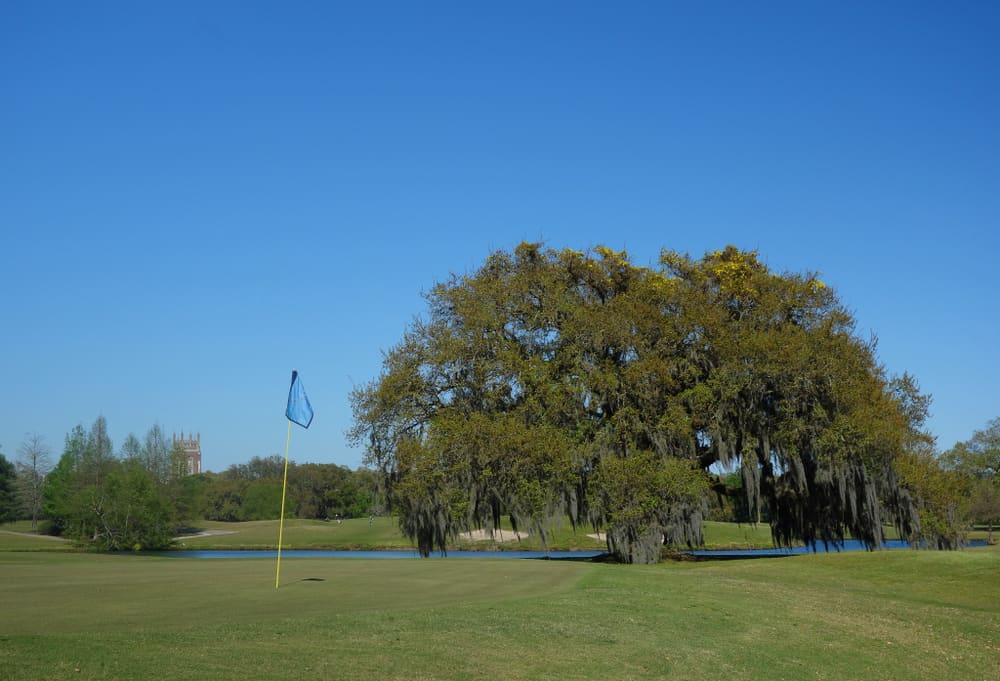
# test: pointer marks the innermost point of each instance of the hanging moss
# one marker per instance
(549, 384)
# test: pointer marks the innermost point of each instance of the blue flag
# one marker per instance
(299, 410)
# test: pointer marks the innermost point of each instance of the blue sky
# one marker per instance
(196, 198)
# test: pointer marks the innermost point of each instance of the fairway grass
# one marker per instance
(358, 533)
(883, 615)
(383, 533)
(25, 541)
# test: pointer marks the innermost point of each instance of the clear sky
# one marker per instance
(197, 197)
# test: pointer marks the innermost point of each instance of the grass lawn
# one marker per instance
(883, 615)
(18, 536)
(731, 535)
(356, 533)
(383, 533)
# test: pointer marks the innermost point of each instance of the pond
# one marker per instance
(832, 547)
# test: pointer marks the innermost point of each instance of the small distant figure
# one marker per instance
(371, 519)
(338, 519)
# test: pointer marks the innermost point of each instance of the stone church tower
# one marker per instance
(192, 451)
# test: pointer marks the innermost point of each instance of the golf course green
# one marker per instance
(880, 615)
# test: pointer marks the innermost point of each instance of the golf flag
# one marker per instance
(299, 410)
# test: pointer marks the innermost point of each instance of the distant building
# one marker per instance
(192, 451)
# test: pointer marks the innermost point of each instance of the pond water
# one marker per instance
(846, 545)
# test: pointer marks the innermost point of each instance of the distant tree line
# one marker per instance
(130, 500)
(8, 491)
(976, 465)
(549, 383)
(252, 491)
(141, 496)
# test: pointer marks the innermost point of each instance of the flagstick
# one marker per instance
(281, 523)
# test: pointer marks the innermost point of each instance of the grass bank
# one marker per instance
(887, 615)
(18, 536)
(358, 533)
(383, 533)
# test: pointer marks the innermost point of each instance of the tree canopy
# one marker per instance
(112, 502)
(977, 460)
(551, 384)
(252, 491)
(8, 490)
(143, 496)
(32, 466)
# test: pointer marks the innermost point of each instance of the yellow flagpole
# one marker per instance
(281, 523)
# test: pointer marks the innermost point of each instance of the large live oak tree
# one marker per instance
(549, 384)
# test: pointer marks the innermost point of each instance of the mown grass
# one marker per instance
(358, 533)
(883, 615)
(384, 533)
(300, 534)
(18, 536)
(735, 536)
